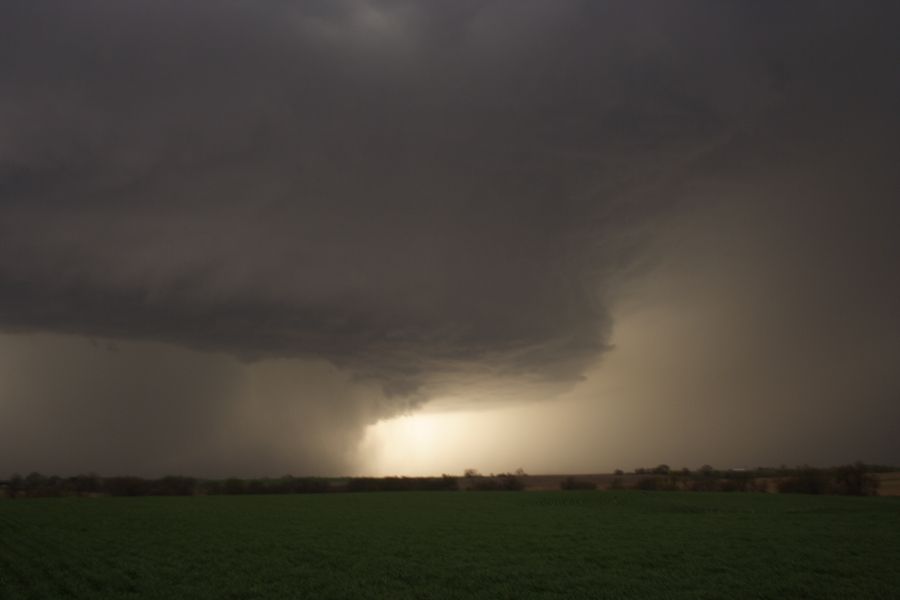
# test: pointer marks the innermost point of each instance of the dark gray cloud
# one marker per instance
(411, 191)
(359, 182)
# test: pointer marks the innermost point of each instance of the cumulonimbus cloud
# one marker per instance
(393, 187)
(421, 194)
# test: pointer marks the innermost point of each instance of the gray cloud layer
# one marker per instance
(416, 192)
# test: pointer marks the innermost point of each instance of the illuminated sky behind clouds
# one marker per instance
(233, 235)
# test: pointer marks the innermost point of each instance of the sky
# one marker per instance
(395, 237)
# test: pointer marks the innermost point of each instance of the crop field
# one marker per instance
(452, 545)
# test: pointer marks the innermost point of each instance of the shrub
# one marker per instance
(35, 485)
(126, 486)
(308, 485)
(732, 485)
(655, 484)
(806, 480)
(504, 482)
(735, 481)
(402, 484)
(85, 484)
(174, 485)
(855, 480)
(703, 484)
(233, 485)
(571, 483)
(707, 471)
(851, 480)
(16, 484)
(758, 485)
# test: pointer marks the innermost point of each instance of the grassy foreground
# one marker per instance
(452, 545)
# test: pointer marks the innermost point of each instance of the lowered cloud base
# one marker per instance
(293, 220)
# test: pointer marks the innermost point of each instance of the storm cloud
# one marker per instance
(371, 204)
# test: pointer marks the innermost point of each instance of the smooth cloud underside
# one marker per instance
(421, 193)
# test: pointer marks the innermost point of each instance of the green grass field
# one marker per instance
(452, 545)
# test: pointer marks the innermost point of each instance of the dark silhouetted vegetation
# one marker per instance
(657, 484)
(851, 480)
(281, 485)
(504, 482)
(573, 483)
(857, 479)
(403, 484)
(36, 485)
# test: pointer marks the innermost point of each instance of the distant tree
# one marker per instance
(806, 480)
(126, 486)
(16, 485)
(212, 487)
(33, 483)
(85, 484)
(618, 472)
(502, 482)
(175, 485)
(648, 484)
(758, 485)
(661, 470)
(735, 482)
(510, 483)
(472, 473)
(402, 484)
(657, 483)
(703, 484)
(520, 472)
(256, 486)
(571, 483)
(855, 480)
(233, 485)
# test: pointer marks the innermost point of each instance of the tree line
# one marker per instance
(856, 479)
(36, 485)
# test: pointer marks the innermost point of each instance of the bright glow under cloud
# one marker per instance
(429, 443)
